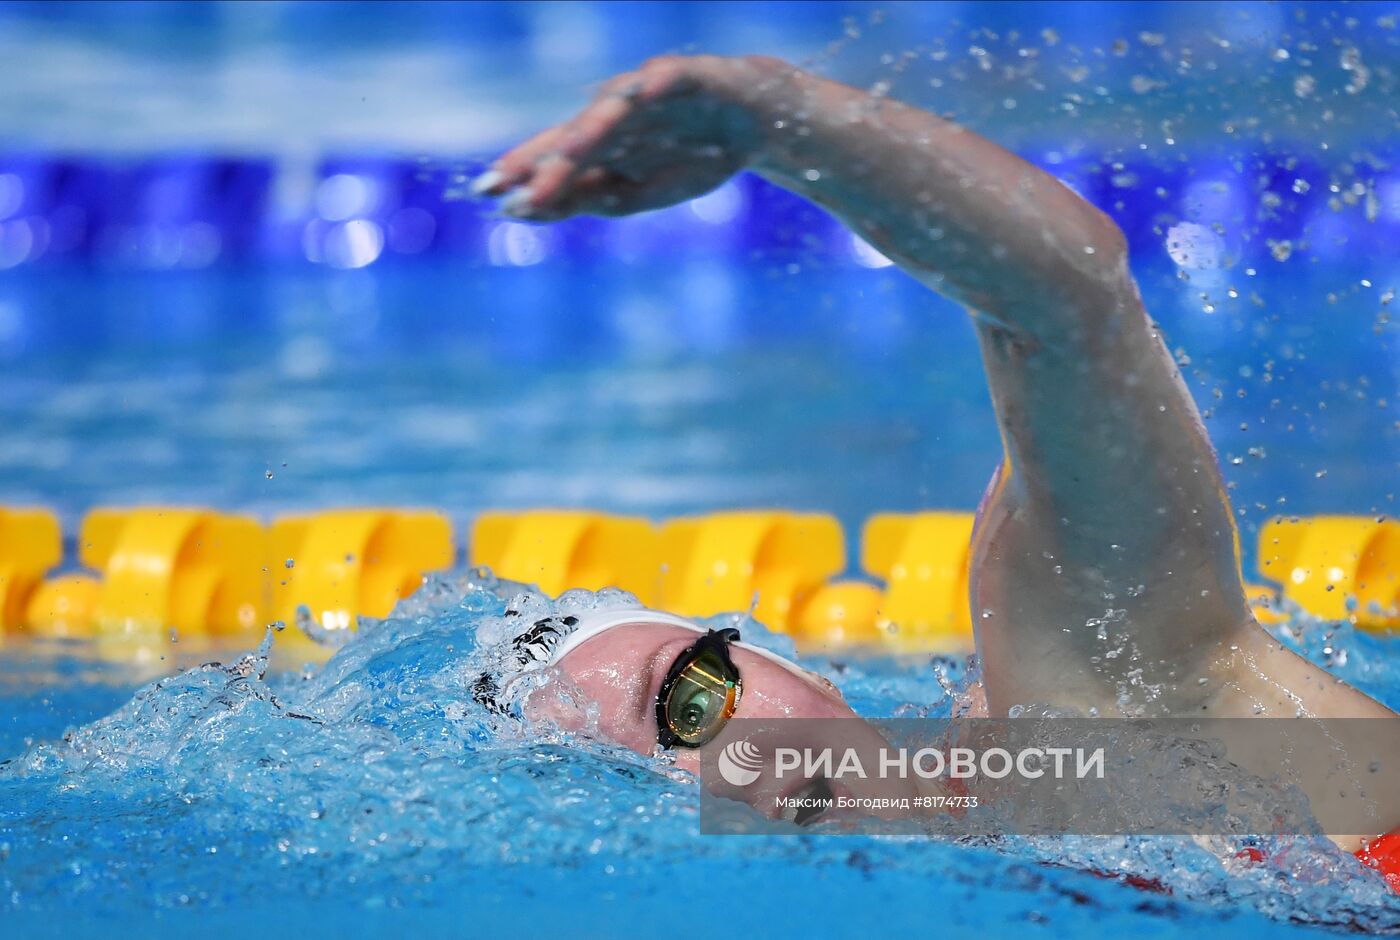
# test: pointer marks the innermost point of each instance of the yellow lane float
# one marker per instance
(169, 566)
(31, 543)
(210, 574)
(923, 559)
(558, 549)
(842, 614)
(64, 606)
(1336, 567)
(350, 562)
(723, 561)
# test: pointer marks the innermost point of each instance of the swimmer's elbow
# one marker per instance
(1098, 280)
(1111, 242)
(1096, 243)
(1109, 235)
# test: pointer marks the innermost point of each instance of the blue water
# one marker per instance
(648, 388)
(374, 790)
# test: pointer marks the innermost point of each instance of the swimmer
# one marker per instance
(1109, 497)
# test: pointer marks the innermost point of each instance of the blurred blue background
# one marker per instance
(238, 264)
(170, 135)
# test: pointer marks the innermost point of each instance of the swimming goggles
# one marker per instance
(700, 692)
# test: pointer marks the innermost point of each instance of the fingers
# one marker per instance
(570, 139)
(578, 139)
(622, 153)
(534, 189)
(539, 165)
(515, 166)
(586, 189)
(592, 126)
(564, 193)
(604, 197)
(656, 78)
(603, 192)
(665, 75)
(545, 186)
(624, 85)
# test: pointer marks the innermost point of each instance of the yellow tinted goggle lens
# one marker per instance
(705, 694)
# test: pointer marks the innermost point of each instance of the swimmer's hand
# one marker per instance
(670, 131)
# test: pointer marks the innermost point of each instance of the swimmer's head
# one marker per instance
(653, 678)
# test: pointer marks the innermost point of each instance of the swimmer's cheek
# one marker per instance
(552, 705)
(773, 692)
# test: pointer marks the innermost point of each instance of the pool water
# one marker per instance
(372, 792)
(648, 387)
(374, 788)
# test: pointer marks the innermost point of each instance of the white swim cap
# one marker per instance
(549, 639)
(595, 622)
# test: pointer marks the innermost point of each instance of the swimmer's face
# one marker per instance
(622, 670)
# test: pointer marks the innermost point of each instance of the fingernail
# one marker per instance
(486, 181)
(517, 202)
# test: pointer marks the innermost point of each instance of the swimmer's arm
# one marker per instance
(1113, 486)
(1104, 444)
(962, 213)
